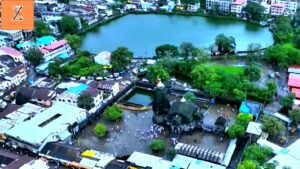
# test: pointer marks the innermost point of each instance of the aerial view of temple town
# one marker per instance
(151, 84)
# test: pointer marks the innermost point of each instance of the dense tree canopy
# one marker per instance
(186, 49)
(225, 44)
(100, 130)
(34, 56)
(167, 50)
(272, 125)
(74, 41)
(282, 55)
(254, 11)
(283, 31)
(295, 116)
(253, 71)
(168, 63)
(287, 101)
(113, 113)
(200, 55)
(85, 100)
(257, 154)
(41, 28)
(120, 58)
(247, 164)
(69, 25)
(156, 72)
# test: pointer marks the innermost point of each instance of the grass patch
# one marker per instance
(233, 70)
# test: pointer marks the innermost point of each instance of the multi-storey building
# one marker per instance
(221, 5)
(56, 49)
(237, 6)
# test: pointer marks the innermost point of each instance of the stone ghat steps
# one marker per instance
(199, 153)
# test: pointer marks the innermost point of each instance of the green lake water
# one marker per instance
(143, 33)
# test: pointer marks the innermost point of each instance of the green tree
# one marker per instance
(34, 56)
(189, 96)
(69, 25)
(287, 101)
(272, 165)
(283, 31)
(253, 71)
(254, 11)
(64, 1)
(200, 55)
(113, 113)
(247, 164)
(120, 58)
(186, 49)
(297, 41)
(100, 130)
(236, 130)
(171, 153)
(256, 153)
(282, 55)
(225, 44)
(168, 63)
(41, 28)
(254, 51)
(157, 145)
(85, 100)
(54, 69)
(74, 41)
(166, 50)
(155, 72)
(295, 116)
(84, 23)
(272, 125)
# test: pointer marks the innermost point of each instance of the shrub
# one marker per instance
(113, 113)
(100, 130)
(157, 145)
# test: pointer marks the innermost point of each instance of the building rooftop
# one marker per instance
(54, 119)
(45, 40)
(146, 160)
(15, 71)
(288, 156)
(53, 46)
(294, 69)
(185, 162)
(250, 107)
(36, 93)
(9, 160)
(11, 52)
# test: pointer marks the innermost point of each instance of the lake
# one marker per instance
(143, 33)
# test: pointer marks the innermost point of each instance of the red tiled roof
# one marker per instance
(55, 45)
(297, 92)
(294, 82)
(11, 52)
(238, 2)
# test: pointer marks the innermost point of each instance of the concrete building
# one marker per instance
(14, 35)
(17, 75)
(57, 123)
(237, 6)
(284, 7)
(41, 96)
(56, 49)
(16, 55)
(14, 114)
(221, 5)
(68, 92)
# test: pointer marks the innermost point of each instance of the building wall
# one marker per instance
(50, 55)
(223, 5)
(17, 79)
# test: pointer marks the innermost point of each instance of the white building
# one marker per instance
(57, 123)
(222, 5)
(16, 55)
(237, 6)
(17, 75)
(73, 90)
(103, 58)
(284, 7)
(14, 35)
(56, 49)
